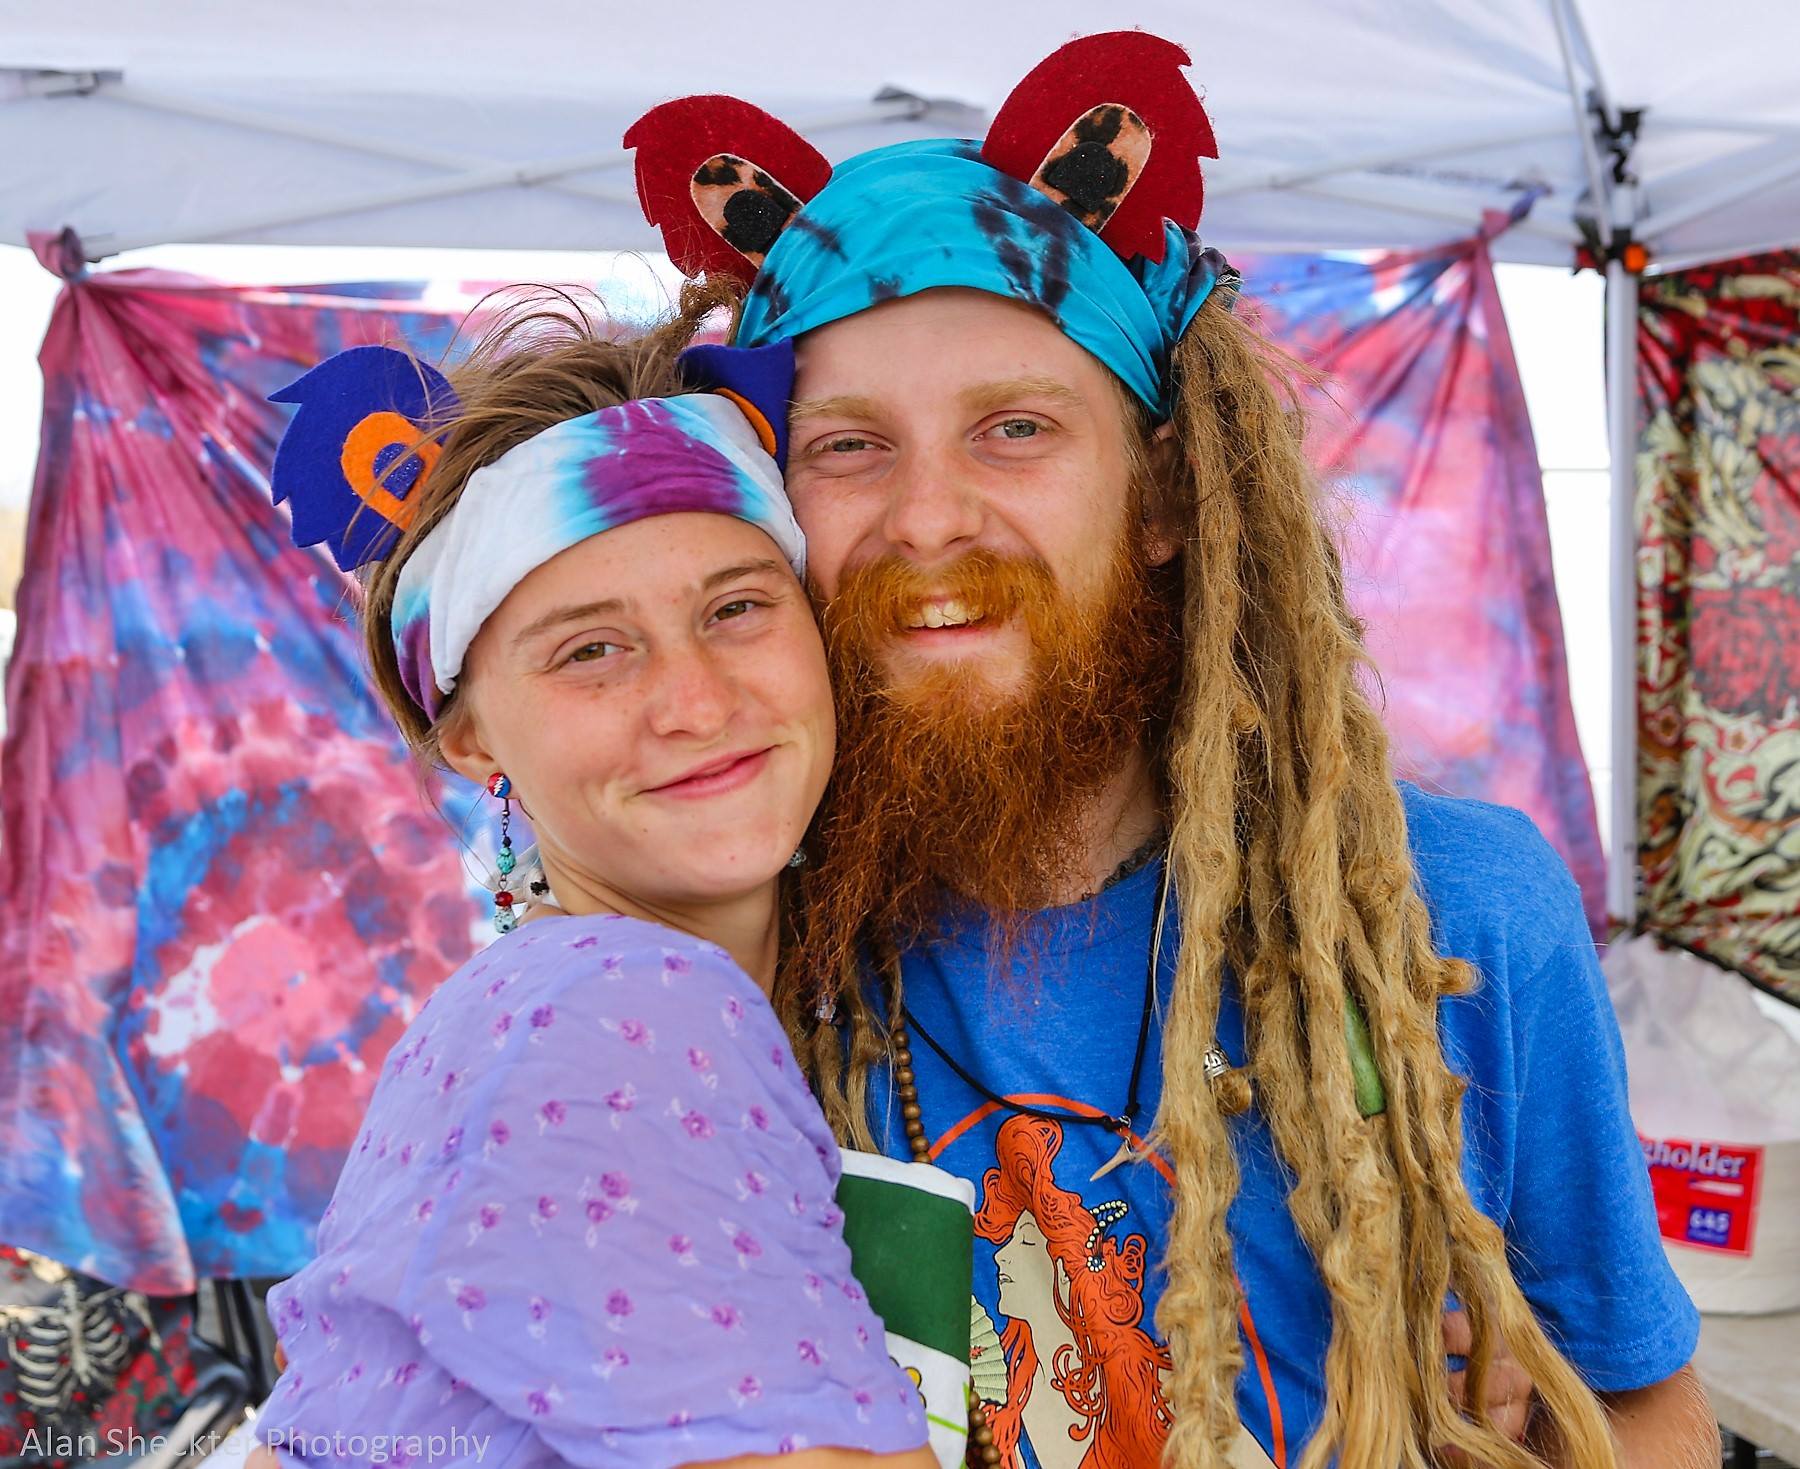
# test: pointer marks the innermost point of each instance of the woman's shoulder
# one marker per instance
(583, 961)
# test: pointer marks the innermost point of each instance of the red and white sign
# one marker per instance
(1705, 1192)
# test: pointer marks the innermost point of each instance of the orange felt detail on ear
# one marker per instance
(1092, 167)
(757, 420)
(362, 449)
(744, 205)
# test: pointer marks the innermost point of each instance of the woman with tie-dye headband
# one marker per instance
(591, 1217)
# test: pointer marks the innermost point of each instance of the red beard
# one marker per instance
(943, 784)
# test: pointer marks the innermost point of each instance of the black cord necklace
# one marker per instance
(1121, 1125)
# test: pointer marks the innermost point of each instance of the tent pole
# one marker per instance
(1621, 434)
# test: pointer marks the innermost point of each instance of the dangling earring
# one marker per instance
(798, 859)
(505, 919)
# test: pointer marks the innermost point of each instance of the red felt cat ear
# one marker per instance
(1109, 127)
(721, 179)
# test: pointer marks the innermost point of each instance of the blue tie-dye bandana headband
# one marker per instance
(1080, 202)
(914, 216)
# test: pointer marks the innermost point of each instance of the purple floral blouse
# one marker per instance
(589, 1219)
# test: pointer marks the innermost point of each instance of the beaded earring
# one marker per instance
(505, 918)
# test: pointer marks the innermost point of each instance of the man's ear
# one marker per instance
(462, 745)
(1162, 536)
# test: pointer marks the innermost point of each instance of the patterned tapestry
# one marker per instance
(1423, 427)
(228, 895)
(225, 895)
(1718, 634)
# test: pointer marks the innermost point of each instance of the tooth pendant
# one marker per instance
(1124, 1155)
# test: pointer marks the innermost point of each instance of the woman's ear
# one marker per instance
(1162, 536)
(462, 745)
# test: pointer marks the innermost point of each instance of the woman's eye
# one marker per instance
(735, 609)
(593, 652)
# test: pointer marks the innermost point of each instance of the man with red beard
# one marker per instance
(1113, 843)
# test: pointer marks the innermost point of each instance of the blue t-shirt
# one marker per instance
(1549, 1148)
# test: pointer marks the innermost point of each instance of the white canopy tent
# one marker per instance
(1343, 125)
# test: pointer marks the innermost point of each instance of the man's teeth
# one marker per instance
(944, 614)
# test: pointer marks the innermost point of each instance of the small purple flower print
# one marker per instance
(546, 1211)
(552, 1114)
(495, 988)
(726, 1317)
(752, 1185)
(324, 1323)
(542, 1019)
(618, 1307)
(416, 1324)
(538, 1310)
(813, 1287)
(292, 1311)
(682, 1248)
(469, 1300)
(636, 1033)
(612, 967)
(611, 1360)
(502, 1024)
(619, 1102)
(423, 1211)
(405, 1373)
(674, 966)
(454, 1179)
(499, 1135)
(381, 1151)
(731, 1013)
(406, 1154)
(747, 1390)
(486, 1217)
(426, 1069)
(694, 1124)
(540, 1402)
(777, 1058)
(746, 1246)
(452, 1141)
(810, 1353)
(615, 1185)
(339, 1281)
(586, 941)
(450, 1080)
(353, 1374)
(758, 1118)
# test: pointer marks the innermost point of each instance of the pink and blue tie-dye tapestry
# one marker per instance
(225, 895)
(1422, 425)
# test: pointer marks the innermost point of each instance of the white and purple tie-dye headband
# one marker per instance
(370, 426)
(653, 456)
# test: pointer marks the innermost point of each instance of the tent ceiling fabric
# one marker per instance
(1342, 123)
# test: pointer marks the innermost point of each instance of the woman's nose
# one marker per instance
(692, 695)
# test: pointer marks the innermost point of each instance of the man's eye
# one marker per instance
(847, 444)
(1019, 428)
(593, 652)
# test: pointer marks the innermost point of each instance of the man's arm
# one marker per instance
(1668, 1425)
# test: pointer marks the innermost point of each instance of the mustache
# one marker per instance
(883, 598)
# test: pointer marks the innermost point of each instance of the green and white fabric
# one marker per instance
(911, 1231)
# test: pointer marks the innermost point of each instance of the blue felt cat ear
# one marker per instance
(358, 447)
(760, 380)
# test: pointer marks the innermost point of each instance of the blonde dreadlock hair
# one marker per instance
(1289, 851)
